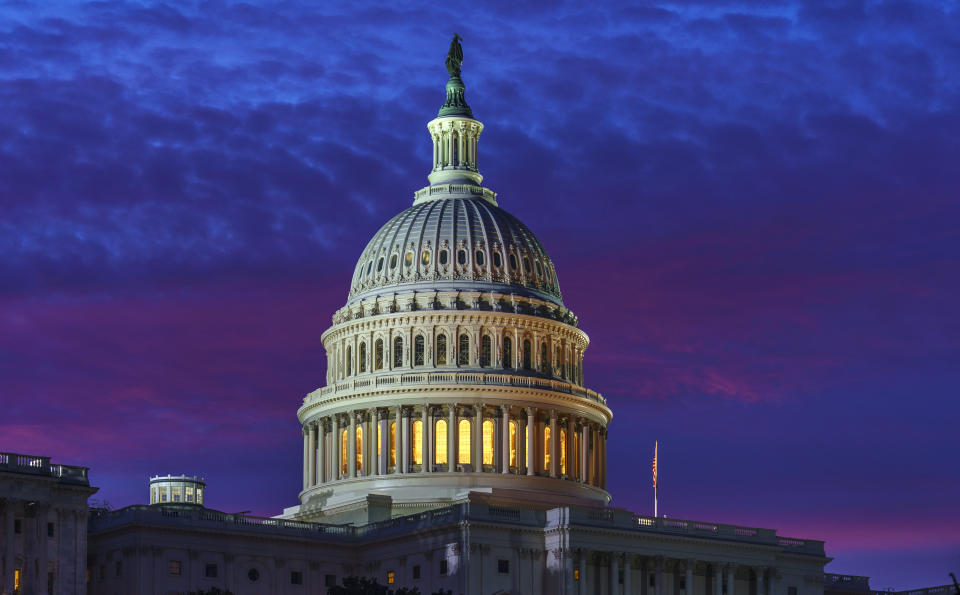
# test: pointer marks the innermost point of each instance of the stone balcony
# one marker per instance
(34, 465)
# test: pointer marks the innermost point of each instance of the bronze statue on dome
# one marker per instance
(455, 56)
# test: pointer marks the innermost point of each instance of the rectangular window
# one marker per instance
(503, 566)
(576, 574)
(416, 572)
(50, 583)
(17, 526)
(103, 572)
(49, 529)
(791, 591)
(119, 569)
(391, 577)
(653, 580)
(174, 567)
(330, 580)
(176, 496)
(296, 577)
(443, 568)
(210, 571)
(189, 490)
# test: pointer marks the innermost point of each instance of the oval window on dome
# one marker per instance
(369, 267)
(539, 269)
(443, 257)
(425, 257)
(526, 266)
(393, 261)
(408, 258)
(546, 272)
(461, 257)
(497, 260)
(479, 258)
(380, 264)
(513, 262)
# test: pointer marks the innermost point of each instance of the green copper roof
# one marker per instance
(455, 105)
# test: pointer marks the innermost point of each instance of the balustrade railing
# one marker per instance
(34, 465)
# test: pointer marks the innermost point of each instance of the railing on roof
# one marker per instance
(482, 378)
(34, 465)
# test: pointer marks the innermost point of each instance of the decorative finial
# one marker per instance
(455, 56)
(455, 105)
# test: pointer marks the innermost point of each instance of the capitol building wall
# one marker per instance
(454, 443)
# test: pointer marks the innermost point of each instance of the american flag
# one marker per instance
(655, 445)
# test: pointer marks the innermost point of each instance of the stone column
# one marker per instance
(337, 446)
(614, 571)
(554, 441)
(531, 440)
(717, 578)
(689, 578)
(761, 583)
(352, 446)
(505, 440)
(571, 455)
(731, 579)
(306, 458)
(313, 454)
(627, 570)
(658, 576)
(603, 458)
(321, 451)
(582, 583)
(477, 438)
(370, 459)
(406, 442)
(584, 449)
(383, 431)
(452, 439)
(427, 447)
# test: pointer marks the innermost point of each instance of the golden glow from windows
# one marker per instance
(441, 350)
(16, 580)
(379, 442)
(391, 576)
(440, 442)
(393, 443)
(546, 447)
(563, 451)
(576, 450)
(488, 442)
(417, 442)
(463, 442)
(513, 444)
(359, 441)
(343, 451)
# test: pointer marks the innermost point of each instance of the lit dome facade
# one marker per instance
(454, 367)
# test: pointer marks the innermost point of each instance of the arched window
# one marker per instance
(544, 359)
(575, 455)
(513, 443)
(507, 352)
(563, 451)
(443, 257)
(441, 350)
(485, 351)
(393, 444)
(362, 364)
(359, 463)
(463, 442)
(349, 360)
(497, 260)
(397, 352)
(461, 257)
(463, 352)
(378, 355)
(488, 442)
(558, 362)
(440, 442)
(546, 448)
(513, 262)
(417, 446)
(418, 350)
(527, 355)
(343, 452)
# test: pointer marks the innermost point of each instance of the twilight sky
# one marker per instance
(752, 207)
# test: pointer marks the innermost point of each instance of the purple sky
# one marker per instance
(752, 207)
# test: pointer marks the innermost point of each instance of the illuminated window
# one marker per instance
(526, 434)
(417, 442)
(563, 451)
(378, 355)
(544, 359)
(397, 352)
(408, 259)
(175, 567)
(546, 447)
(557, 362)
(153, 495)
(463, 352)
(527, 356)
(393, 443)
(513, 443)
(485, 351)
(163, 495)
(362, 364)
(391, 577)
(488, 442)
(189, 490)
(440, 442)
(576, 574)
(425, 257)
(343, 452)
(418, 350)
(349, 360)
(359, 441)
(379, 441)
(16, 580)
(463, 435)
(441, 350)
(507, 352)
(199, 495)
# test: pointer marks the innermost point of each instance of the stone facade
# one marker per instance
(43, 535)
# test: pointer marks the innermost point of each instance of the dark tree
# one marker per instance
(355, 585)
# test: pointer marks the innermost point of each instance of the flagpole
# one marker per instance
(656, 487)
